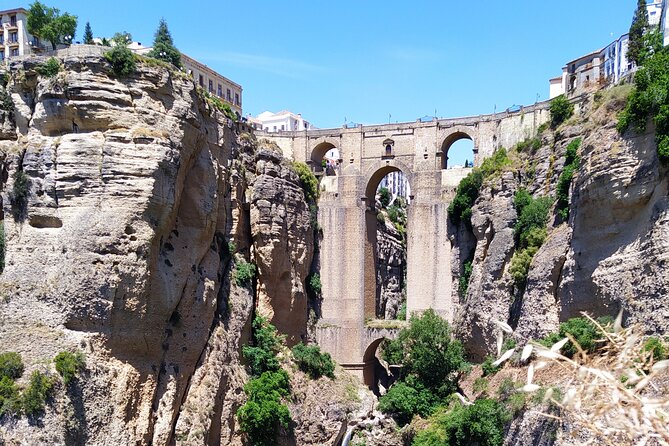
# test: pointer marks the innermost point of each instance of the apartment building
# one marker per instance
(605, 66)
(14, 38)
(398, 185)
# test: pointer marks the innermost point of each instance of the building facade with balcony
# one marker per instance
(14, 38)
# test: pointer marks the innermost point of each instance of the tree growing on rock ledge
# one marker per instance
(47, 23)
(637, 30)
(163, 46)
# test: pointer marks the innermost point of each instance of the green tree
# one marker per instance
(432, 362)
(88, 34)
(121, 38)
(163, 46)
(263, 412)
(638, 28)
(49, 24)
(561, 110)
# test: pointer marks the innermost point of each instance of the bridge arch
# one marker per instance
(454, 137)
(375, 173)
(318, 152)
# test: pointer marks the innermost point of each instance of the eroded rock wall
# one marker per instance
(390, 270)
(140, 197)
(610, 254)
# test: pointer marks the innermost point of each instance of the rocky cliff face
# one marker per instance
(390, 270)
(608, 255)
(141, 200)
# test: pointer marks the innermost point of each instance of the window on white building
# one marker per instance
(12, 20)
(275, 128)
(237, 99)
(201, 81)
(2, 55)
(211, 86)
(282, 127)
(15, 52)
(14, 37)
(220, 90)
(228, 95)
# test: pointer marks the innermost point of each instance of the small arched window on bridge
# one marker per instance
(388, 146)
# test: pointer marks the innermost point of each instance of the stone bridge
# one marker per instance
(348, 221)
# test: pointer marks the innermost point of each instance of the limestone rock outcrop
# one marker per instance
(390, 270)
(140, 197)
(608, 256)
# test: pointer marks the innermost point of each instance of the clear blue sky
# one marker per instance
(366, 60)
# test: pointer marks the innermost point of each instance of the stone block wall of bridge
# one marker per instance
(348, 221)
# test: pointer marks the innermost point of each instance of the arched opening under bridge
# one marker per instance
(325, 159)
(458, 151)
(388, 196)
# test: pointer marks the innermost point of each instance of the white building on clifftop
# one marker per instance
(282, 121)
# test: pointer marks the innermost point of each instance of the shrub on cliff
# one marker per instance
(650, 98)
(307, 180)
(315, 284)
(33, 398)
(244, 272)
(583, 330)
(312, 361)
(530, 233)
(11, 365)
(10, 401)
(261, 355)
(463, 282)
(561, 110)
(49, 68)
(532, 219)
(564, 181)
(69, 365)
(481, 423)
(460, 209)
(122, 61)
(263, 413)
(19, 195)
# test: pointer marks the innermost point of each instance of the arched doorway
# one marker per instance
(325, 159)
(388, 197)
(458, 151)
